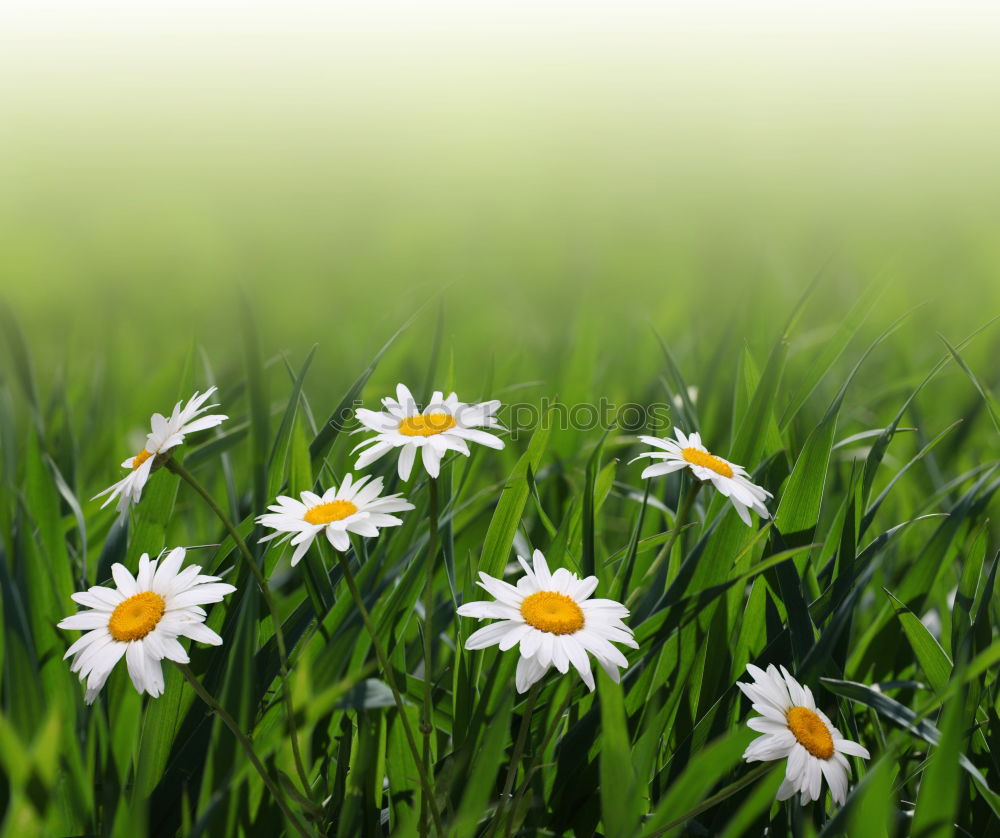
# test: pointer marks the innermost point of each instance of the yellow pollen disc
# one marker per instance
(427, 424)
(327, 513)
(136, 617)
(697, 457)
(552, 612)
(140, 458)
(810, 731)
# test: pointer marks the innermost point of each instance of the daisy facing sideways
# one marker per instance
(167, 433)
(731, 480)
(354, 506)
(446, 424)
(555, 622)
(796, 730)
(141, 619)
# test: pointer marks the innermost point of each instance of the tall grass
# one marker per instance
(874, 584)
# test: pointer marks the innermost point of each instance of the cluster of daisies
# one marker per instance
(550, 615)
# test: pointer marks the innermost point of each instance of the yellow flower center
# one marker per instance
(810, 731)
(697, 457)
(427, 424)
(552, 612)
(140, 458)
(327, 513)
(136, 617)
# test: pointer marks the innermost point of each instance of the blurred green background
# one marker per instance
(549, 172)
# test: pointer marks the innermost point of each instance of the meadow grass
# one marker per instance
(874, 583)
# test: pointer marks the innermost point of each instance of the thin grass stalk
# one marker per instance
(247, 746)
(680, 520)
(537, 758)
(427, 720)
(748, 779)
(279, 637)
(383, 662)
(515, 758)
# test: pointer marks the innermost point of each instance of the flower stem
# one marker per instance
(279, 637)
(537, 758)
(680, 520)
(515, 759)
(383, 662)
(247, 746)
(426, 722)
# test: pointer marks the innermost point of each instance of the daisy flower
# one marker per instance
(446, 424)
(167, 433)
(731, 480)
(796, 730)
(142, 619)
(555, 622)
(355, 506)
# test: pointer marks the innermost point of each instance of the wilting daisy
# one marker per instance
(355, 506)
(730, 479)
(142, 619)
(555, 622)
(167, 433)
(796, 730)
(446, 424)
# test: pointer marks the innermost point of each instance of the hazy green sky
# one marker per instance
(346, 161)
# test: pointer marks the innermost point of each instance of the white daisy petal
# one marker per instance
(203, 634)
(169, 567)
(165, 434)
(432, 460)
(836, 779)
(124, 580)
(172, 649)
(845, 746)
(814, 777)
(796, 765)
(488, 610)
(795, 730)
(480, 438)
(514, 636)
(407, 454)
(501, 590)
(371, 454)
(610, 670)
(444, 425)
(787, 789)
(531, 643)
(84, 641)
(550, 617)
(98, 675)
(84, 621)
(489, 635)
(545, 648)
(541, 568)
(154, 677)
(658, 470)
(581, 662)
(300, 550)
(140, 621)
(135, 658)
(584, 588)
(729, 479)
(339, 539)
(355, 505)
(529, 671)
(762, 724)
(199, 595)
